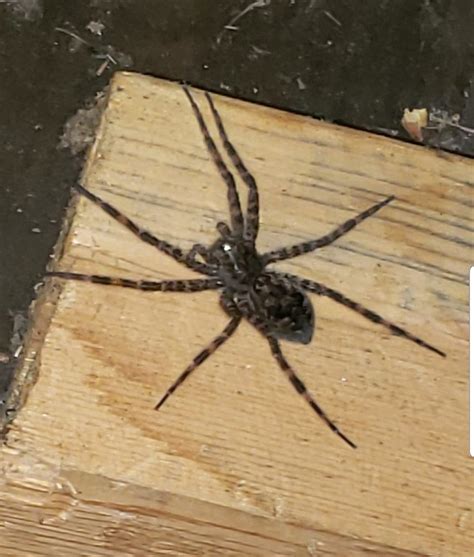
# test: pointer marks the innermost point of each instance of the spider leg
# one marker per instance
(301, 389)
(198, 249)
(173, 251)
(190, 285)
(218, 341)
(311, 245)
(236, 218)
(298, 385)
(252, 219)
(322, 290)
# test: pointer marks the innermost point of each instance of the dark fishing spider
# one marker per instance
(275, 303)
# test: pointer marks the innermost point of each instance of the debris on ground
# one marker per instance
(332, 18)
(80, 130)
(95, 27)
(18, 332)
(419, 119)
(7, 359)
(301, 84)
(256, 52)
(231, 25)
(441, 119)
(30, 10)
(414, 121)
(108, 53)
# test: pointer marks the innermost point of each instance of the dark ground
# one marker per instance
(356, 63)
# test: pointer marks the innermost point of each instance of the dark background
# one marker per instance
(347, 61)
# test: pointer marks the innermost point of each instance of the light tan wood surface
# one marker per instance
(236, 463)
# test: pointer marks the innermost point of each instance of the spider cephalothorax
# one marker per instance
(281, 305)
(276, 304)
(234, 259)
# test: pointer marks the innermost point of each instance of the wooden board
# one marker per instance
(236, 463)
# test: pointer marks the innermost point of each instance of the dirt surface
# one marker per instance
(354, 63)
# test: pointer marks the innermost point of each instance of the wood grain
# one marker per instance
(235, 454)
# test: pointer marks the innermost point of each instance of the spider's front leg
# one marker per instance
(236, 216)
(177, 285)
(252, 218)
(197, 250)
(173, 251)
(205, 253)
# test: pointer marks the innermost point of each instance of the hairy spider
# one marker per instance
(276, 304)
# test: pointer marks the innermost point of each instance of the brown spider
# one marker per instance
(275, 303)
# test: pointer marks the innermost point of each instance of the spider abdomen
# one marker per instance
(285, 308)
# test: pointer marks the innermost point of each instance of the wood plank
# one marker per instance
(236, 438)
(88, 514)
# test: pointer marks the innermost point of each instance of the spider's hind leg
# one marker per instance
(301, 389)
(290, 373)
(322, 290)
(203, 355)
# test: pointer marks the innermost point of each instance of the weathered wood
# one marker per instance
(235, 463)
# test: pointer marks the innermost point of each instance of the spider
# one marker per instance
(276, 304)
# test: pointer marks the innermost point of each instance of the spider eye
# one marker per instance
(226, 247)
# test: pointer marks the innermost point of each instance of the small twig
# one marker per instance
(463, 128)
(332, 18)
(440, 119)
(231, 25)
(443, 122)
(73, 35)
(107, 57)
(258, 50)
(101, 69)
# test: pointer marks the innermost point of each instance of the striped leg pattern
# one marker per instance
(176, 253)
(322, 290)
(252, 219)
(236, 217)
(290, 373)
(190, 285)
(233, 266)
(311, 245)
(218, 341)
(301, 389)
